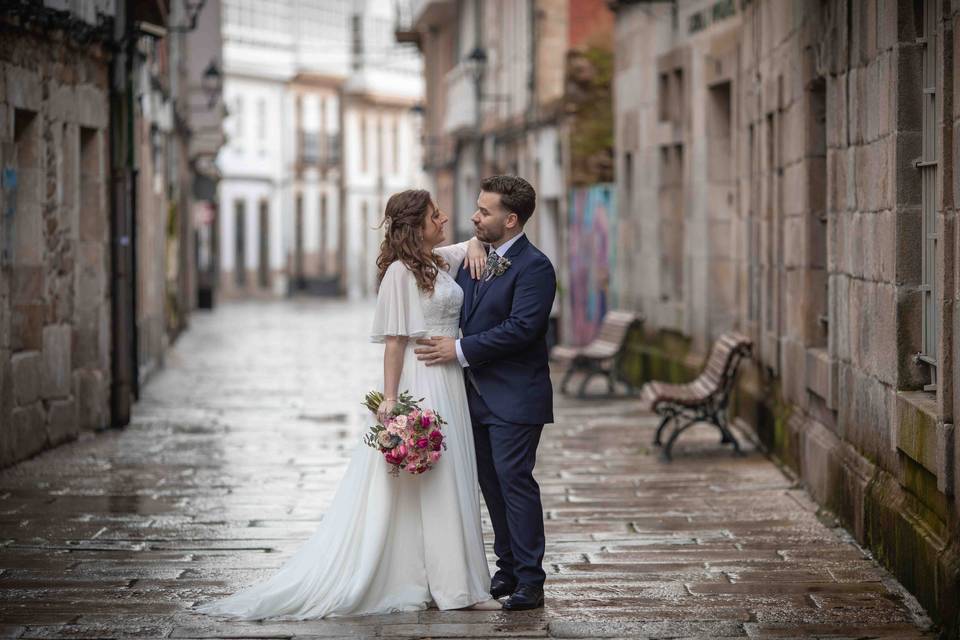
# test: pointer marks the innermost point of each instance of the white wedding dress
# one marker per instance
(391, 544)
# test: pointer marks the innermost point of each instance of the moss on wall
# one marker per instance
(904, 523)
(589, 102)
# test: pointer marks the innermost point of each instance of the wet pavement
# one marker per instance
(237, 446)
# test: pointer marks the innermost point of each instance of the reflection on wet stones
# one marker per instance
(237, 447)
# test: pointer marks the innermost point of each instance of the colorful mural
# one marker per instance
(592, 226)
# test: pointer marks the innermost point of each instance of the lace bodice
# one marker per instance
(441, 310)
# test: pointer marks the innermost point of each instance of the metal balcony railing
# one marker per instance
(319, 150)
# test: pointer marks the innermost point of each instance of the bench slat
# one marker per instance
(711, 379)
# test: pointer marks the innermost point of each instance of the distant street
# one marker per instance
(237, 446)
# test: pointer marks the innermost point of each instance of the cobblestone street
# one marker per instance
(237, 447)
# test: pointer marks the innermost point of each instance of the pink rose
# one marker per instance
(434, 456)
(426, 420)
(412, 467)
(401, 451)
(422, 443)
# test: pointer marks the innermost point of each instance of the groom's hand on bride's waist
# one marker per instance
(436, 350)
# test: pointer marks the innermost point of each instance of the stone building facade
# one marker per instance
(95, 280)
(494, 87)
(55, 313)
(320, 134)
(786, 169)
(497, 79)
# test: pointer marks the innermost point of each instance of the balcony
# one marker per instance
(461, 107)
(319, 150)
(426, 12)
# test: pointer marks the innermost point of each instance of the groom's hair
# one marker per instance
(516, 195)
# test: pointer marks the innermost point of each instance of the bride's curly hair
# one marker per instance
(403, 218)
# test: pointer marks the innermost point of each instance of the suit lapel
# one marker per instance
(474, 301)
(469, 288)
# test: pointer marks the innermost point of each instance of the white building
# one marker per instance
(320, 134)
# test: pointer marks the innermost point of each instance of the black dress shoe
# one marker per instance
(527, 596)
(500, 587)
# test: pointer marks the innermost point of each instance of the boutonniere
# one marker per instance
(502, 267)
(496, 266)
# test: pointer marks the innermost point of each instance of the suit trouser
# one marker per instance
(506, 454)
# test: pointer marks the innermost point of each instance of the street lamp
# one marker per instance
(212, 83)
(476, 65)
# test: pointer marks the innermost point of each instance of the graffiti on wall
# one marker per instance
(592, 250)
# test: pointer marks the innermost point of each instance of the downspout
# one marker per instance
(533, 106)
(478, 92)
(124, 387)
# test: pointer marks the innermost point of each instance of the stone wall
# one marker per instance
(788, 172)
(54, 292)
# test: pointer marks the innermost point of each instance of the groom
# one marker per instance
(504, 354)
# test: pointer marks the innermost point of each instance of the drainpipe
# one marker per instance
(533, 107)
(124, 382)
(478, 93)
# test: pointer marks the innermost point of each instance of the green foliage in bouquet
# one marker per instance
(405, 404)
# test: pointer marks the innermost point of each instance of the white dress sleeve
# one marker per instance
(453, 255)
(399, 311)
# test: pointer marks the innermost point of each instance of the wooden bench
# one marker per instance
(703, 400)
(602, 355)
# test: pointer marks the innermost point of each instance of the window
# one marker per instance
(679, 105)
(672, 222)
(771, 213)
(363, 145)
(671, 95)
(753, 230)
(264, 265)
(238, 122)
(365, 261)
(395, 144)
(628, 183)
(817, 169)
(262, 120)
(323, 235)
(663, 96)
(27, 194)
(90, 182)
(240, 243)
(927, 166)
(298, 242)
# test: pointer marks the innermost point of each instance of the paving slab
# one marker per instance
(236, 449)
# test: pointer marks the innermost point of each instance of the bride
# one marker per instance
(390, 544)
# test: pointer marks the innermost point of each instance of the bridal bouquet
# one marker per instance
(412, 438)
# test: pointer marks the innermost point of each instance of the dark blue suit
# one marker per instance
(504, 323)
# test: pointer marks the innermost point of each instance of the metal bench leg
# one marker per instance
(611, 379)
(663, 425)
(582, 392)
(592, 371)
(728, 437)
(666, 454)
(716, 419)
(571, 369)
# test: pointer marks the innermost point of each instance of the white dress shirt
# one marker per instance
(502, 251)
